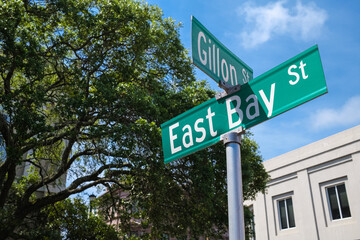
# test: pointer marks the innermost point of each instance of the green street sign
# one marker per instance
(212, 57)
(284, 87)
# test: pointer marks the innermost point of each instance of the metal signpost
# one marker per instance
(232, 141)
(292, 83)
(212, 57)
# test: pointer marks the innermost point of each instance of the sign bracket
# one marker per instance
(228, 90)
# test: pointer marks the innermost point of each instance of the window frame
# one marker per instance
(326, 210)
(338, 201)
(287, 215)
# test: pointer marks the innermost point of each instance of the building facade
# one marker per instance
(314, 192)
(25, 168)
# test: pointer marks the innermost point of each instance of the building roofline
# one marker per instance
(322, 146)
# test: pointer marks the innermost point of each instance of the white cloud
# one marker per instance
(301, 21)
(348, 114)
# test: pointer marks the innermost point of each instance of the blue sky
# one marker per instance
(266, 33)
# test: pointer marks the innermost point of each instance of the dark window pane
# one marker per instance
(335, 213)
(252, 225)
(344, 204)
(282, 210)
(290, 210)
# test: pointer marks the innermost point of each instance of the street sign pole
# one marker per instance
(232, 141)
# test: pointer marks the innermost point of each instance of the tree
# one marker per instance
(85, 86)
(68, 219)
(188, 196)
(196, 191)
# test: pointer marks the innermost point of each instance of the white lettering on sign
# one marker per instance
(235, 117)
(200, 129)
(218, 60)
(233, 71)
(172, 138)
(209, 117)
(268, 103)
(255, 105)
(187, 136)
(202, 60)
(252, 109)
(245, 75)
(209, 55)
(297, 76)
(231, 111)
(224, 63)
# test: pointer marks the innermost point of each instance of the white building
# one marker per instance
(25, 168)
(314, 192)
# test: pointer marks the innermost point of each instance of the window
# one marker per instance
(286, 213)
(338, 202)
(251, 228)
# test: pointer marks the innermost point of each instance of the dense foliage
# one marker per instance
(68, 219)
(85, 86)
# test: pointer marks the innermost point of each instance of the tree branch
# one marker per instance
(7, 86)
(74, 188)
(5, 187)
(7, 167)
